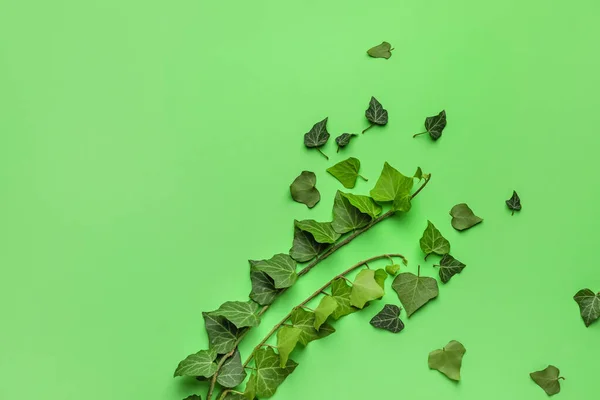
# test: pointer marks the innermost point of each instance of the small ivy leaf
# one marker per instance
(322, 232)
(388, 319)
(303, 189)
(419, 174)
(305, 247)
(380, 277)
(346, 217)
(317, 136)
(448, 360)
(514, 203)
(201, 363)
(414, 291)
(193, 397)
(548, 379)
(433, 241)
(589, 305)
(365, 288)
(239, 313)
(222, 334)
(287, 338)
(305, 320)
(341, 291)
(250, 390)
(325, 308)
(232, 372)
(393, 186)
(383, 50)
(365, 204)
(434, 125)
(269, 374)
(344, 139)
(449, 266)
(376, 114)
(281, 268)
(263, 288)
(463, 217)
(392, 269)
(346, 172)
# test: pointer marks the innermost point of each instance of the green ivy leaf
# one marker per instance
(383, 50)
(449, 266)
(393, 186)
(269, 374)
(392, 269)
(514, 203)
(548, 379)
(414, 291)
(365, 288)
(344, 139)
(365, 204)
(232, 372)
(287, 338)
(234, 396)
(434, 125)
(380, 277)
(463, 217)
(281, 268)
(448, 360)
(250, 390)
(240, 313)
(376, 114)
(341, 291)
(433, 241)
(325, 308)
(322, 232)
(222, 334)
(201, 363)
(305, 320)
(388, 319)
(263, 288)
(589, 305)
(305, 247)
(346, 217)
(317, 136)
(419, 173)
(303, 189)
(346, 172)
(193, 397)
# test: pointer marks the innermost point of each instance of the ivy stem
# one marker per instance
(418, 134)
(324, 155)
(365, 179)
(369, 127)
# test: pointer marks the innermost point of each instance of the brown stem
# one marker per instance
(418, 134)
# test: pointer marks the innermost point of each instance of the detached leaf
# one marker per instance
(232, 373)
(341, 291)
(548, 379)
(392, 269)
(365, 288)
(376, 114)
(449, 266)
(346, 217)
(201, 363)
(222, 334)
(463, 217)
(344, 139)
(393, 186)
(383, 50)
(589, 305)
(322, 232)
(434, 125)
(317, 136)
(433, 241)
(365, 204)
(305, 320)
(346, 172)
(240, 313)
(303, 189)
(414, 291)
(263, 288)
(326, 307)
(269, 374)
(287, 338)
(448, 360)
(281, 268)
(514, 203)
(388, 319)
(305, 247)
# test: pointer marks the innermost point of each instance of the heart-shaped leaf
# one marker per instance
(589, 305)
(365, 288)
(287, 338)
(414, 291)
(434, 125)
(269, 374)
(317, 136)
(303, 189)
(365, 204)
(346, 217)
(240, 313)
(232, 372)
(305, 247)
(388, 319)
(432, 241)
(393, 186)
(281, 268)
(344, 139)
(263, 288)
(201, 363)
(548, 379)
(449, 266)
(514, 203)
(326, 307)
(392, 269)
(222, 334)
(463, 217)
(376, 114)
(448, 360)
(383, 50)
(322, 232)
(346, 172)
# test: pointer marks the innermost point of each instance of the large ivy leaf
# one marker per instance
(287, 338)
(305, 247)
(201, 363)
(269, 374)
(341, 291)
(376, 114)
(589, 305)
(365, 288)
(365, 204)
(305, 320)
(463, 217)
(433, 241)
(263, 288)
(346, 217)
(414, 291)
(240, 313)
(449, 266)
(346, 172)
(383, 50)
(322, 232)
(393, 186)
(448, 360)
(388, 319)
(222, 334)
(281, 268)
(514, 203)
(548, 379)
(232, 372)
(303, 189)
(317, 136)
(344, 139)
(326, 307)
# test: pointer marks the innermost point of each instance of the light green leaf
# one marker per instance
(365, 204)
(365, 288)
(240, 313)
(222, 334)
(346, 217)
(414, 291)
(250, 390)
(346, 172)
(281, 268)
(269, 374)
(341, 291)
(548, 379)
(201, 363)
(448, 360)
(305, 320)
(287, 338)
(392, 269)
(449, 266)
(232, 372)
(322, 232)
(419, 173)
(326, 307)
(380, 277)
(589, 305)
(303, 189)
(263, 288)
(305, 247)
(393, 186)
(463, 217)
(433, 241)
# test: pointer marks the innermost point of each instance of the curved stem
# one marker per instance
(324, 155)
(369, 127)
(418, 134)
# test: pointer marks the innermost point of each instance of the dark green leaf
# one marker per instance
(232, 372)
(388, 319)
(514, 203)
(548, 379)
(414, 291)
(448, 360)
(322, 232)
(240, 313)
(326, 307)
(193, 397)
(346, 172)
(449, 266)
(305, 247)
(287, 338)
(365, 288)
(346, 217)
(317, 136)
(393, 186)
(365, 204)
(305, 320)
(269, 374)
(222, 334)
(435, 125)
(589, 305)
(383, 50)
(303, 189)
(263, 288)
(341, 291)
(281, 268)
(463, 217)
(433, 241)
(376, 114)
(392, 269)
(201, 363)
(344, 139)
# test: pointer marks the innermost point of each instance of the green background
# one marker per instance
(146, 149)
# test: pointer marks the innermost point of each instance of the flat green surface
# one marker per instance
(146, 149)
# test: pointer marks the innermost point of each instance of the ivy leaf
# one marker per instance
(414, 291)
(365, 288)
(193, 397)
(317, 136)
(240, 313)
(232, 372)
(434, 125)
(448, 360)
(325, 308)
(388, 319)
(589, 305)
(234, 396)
(383, 50)
(419, 173)
(303, 189)
(392, 269)
(376, 114)
(287, 338)
(269, 375)
(222, 334)
(393, 186)
(344, 139)
(380, 277)
(250, 390)
(449, 266)
(263, 288)
(514, 203)
(281, 268)
(322, 232)
(346, 217)
(305, 320)
(201, 363)
(305, 247)
(433, 241)
(463, 217)
(341, 291)
(548, 379)
(346, 172)
(365, 204)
